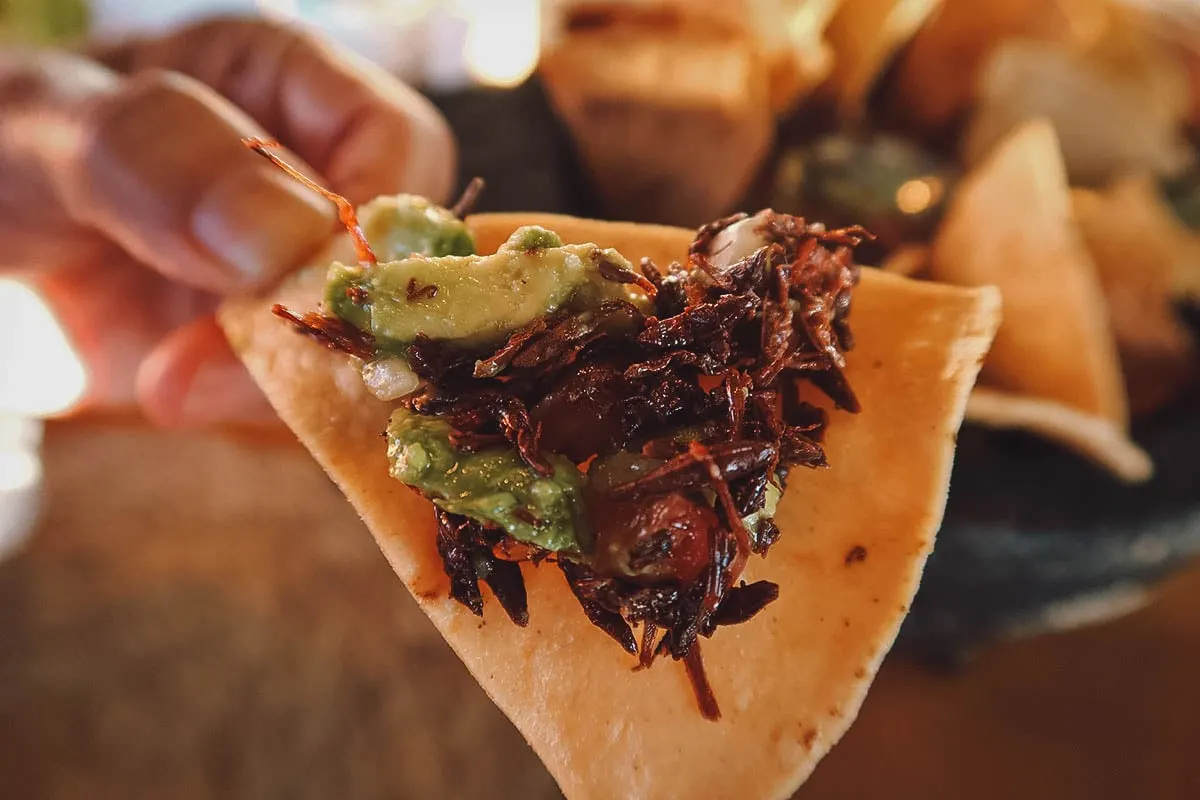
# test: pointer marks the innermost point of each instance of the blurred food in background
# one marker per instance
(1141, 250)
(1048, 148)
(1123, 76)
(936, 79)
(866, 35)
(888, 184)
(672, 103)
(896, 138)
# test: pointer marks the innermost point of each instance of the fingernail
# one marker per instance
(259, 224)
(160, 170)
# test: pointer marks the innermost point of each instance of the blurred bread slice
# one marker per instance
(672, 104)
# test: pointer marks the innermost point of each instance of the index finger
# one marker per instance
(361, 128)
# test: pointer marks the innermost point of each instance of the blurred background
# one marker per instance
(200, 613)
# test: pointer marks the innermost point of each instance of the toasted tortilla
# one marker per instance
(786, 34)
(1139, 247)
(1010, 224)
(790, 681)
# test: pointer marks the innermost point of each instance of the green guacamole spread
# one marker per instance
(493, 485)
(403, 225)
(474, 299)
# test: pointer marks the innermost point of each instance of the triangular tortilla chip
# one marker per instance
(791, 680)
(1010, 224)
(1090, 436)
(1139, 247)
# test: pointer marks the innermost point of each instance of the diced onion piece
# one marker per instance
(736, 242)
(390, 378)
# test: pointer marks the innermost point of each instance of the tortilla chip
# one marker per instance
(1090, 436)
(791, 680)
(1010, 225)
(1139, 246)
(1186, 285)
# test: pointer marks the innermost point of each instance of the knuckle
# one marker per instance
(139, 108)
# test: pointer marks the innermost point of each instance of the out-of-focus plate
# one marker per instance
(1036, 540)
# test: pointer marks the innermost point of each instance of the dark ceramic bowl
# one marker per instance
(1036, 540)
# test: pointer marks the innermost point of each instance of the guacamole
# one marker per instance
(402, 225)
(494, 485)
(475, 300)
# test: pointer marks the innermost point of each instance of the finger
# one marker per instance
(114, 312)
(153, 163)
(193, 379)
(36, 92)
(158, 167)
(365, 131)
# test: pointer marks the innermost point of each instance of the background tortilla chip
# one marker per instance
(1139, 247)
(1090, 436)
(1010, 224)
(790, 681)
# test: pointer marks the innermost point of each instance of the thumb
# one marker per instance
(158, 168)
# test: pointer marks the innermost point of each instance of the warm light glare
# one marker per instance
(40, 373)
(1088, 20)
(805, 23)
(917, 195)
(503, 40)
(19, 471)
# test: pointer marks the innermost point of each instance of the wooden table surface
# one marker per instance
(203, 616)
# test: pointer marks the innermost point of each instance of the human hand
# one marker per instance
(129, 202)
